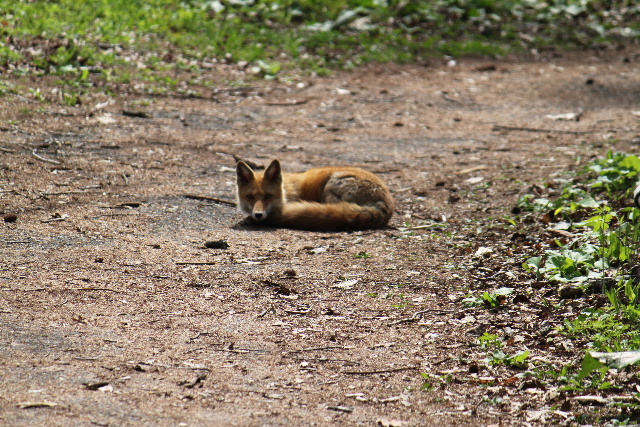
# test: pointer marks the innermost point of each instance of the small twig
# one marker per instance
(266, 311)
(418, 315)
(441, 361)
(42, 404)
(381, 371)
(7, 150)
(114, 214)
(160, 365)
(287, 104)
(64, 193)
(196, 263)
(346, 409)
(298, 311)
(330, 347)
(200, 334)
(240, 350)
(46, 221)
(324, 360)
(512, 128)
(94, 289)
(420, 227)
(39, 157)
(211, 199)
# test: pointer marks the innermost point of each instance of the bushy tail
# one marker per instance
(333, 216)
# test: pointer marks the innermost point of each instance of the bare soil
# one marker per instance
(114, 313)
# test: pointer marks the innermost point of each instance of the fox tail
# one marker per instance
(314, 216)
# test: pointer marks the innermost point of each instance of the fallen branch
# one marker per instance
(512, 128)
(381, 371)
(211, 199)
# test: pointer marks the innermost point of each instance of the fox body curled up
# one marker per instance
(320, 199)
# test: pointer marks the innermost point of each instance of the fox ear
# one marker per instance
(244, 172)
(273, 172)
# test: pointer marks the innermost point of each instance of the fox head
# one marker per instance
(260, 194)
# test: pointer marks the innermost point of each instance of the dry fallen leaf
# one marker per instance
(346, 284)
(565, 116)
(106, 119)
(474, 180)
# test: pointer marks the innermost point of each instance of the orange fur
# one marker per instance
(320, 199)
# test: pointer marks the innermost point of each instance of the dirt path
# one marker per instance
(113, 313)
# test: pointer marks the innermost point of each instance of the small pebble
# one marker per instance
(216, 244)
(10, 217)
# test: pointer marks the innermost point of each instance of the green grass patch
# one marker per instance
(314, 36)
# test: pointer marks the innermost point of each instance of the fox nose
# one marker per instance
(258, 215)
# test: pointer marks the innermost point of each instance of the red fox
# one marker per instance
(320, 199)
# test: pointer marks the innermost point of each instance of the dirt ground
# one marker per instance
(114, 313)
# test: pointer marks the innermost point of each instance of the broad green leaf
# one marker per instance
(632, 162)
(521, 357)
(589, 364)
(588, 202)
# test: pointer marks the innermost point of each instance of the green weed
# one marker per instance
(427, 382)
(603, 255)
(489, 341)
(363, 255)
(517, 361)
(617, 174)
(491, 300)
